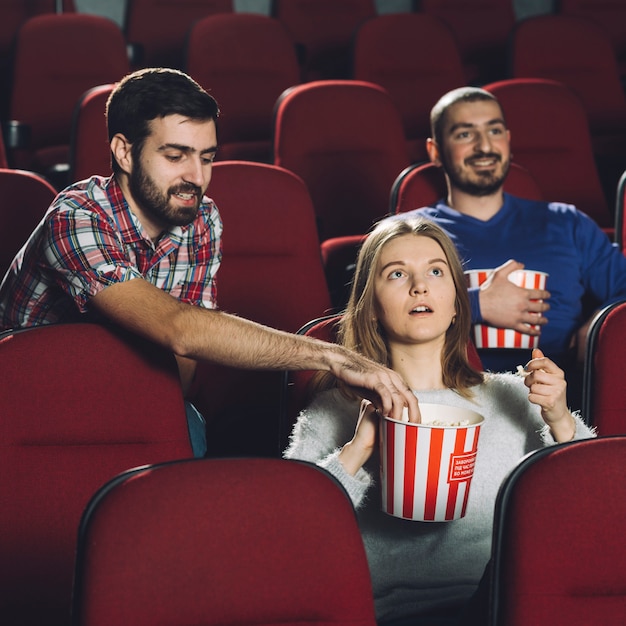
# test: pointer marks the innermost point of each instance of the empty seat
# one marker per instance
(415, 58)
(579, 53)
(156, 30)
(272, 273)
(13, 13)
(26, 197)
(558, 551)
(90, 152)
(554, 143)
(222, 542)
(49, 79)
(609, 14)
(246, 61)
(604, 396)
(80, 403)
(345, 139)
(481, 29)
(323, 30)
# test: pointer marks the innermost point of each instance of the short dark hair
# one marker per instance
(152, 93)
(462, 94)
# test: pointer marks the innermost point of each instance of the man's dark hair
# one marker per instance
(152, 93)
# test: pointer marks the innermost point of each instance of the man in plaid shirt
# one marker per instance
(141, 248)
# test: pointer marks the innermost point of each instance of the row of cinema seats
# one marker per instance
(105, 514)
(247, 60)
(345, 139)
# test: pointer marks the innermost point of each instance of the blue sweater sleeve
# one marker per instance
(603, 266)
(477, 317)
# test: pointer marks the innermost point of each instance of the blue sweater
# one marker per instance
(551, 237)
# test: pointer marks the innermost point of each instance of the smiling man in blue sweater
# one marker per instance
(492, 229)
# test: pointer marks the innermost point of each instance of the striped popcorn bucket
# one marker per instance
(491, 337)
(426, 469)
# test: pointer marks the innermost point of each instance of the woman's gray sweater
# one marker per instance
(417, 567)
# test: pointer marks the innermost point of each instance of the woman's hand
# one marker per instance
(547, 388)
(359, 449)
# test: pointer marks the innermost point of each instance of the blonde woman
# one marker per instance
(409, 310)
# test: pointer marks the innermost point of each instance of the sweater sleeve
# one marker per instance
(582, 431)
(320, 432)
(603, 264)
(474, 297)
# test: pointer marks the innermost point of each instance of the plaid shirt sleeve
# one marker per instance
(88, 253)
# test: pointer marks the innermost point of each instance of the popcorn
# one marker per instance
(446, 423)
(521, 371)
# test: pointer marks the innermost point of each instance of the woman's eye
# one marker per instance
(436, 271)
(395, 275)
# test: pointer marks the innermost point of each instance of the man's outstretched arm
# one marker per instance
(204, 334)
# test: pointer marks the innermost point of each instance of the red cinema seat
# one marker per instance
(222, 542)
(80, 403)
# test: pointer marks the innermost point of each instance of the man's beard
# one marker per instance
(484, 183)
(150, 199)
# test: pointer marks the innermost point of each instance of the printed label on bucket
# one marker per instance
(491, 337)
(426, 470)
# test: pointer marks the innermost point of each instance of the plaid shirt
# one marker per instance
(89, 239)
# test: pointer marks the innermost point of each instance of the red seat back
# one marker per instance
(246, 61)
(414, 56)
(345, 139)
(90, 152)
(604, 396)
(79, 404)
(578, 53)
(271, 273)
(222, 542)
(609, 14)
(481, 29)
(157, 30)
(573, 497)
(26, 197)
(323, 30)
(13, 13)
(49, 78)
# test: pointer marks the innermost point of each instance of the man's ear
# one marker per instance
(433, 151)
(120, 148)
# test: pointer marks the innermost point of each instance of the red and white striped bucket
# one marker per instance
(426, 469)
(491, 337)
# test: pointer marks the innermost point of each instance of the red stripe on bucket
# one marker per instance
(410, 458)
(485, 335)
(390, 464)
(434, 462)
(474, 451)
(459, 448)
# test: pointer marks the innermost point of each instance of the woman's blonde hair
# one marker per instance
(359, 328)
